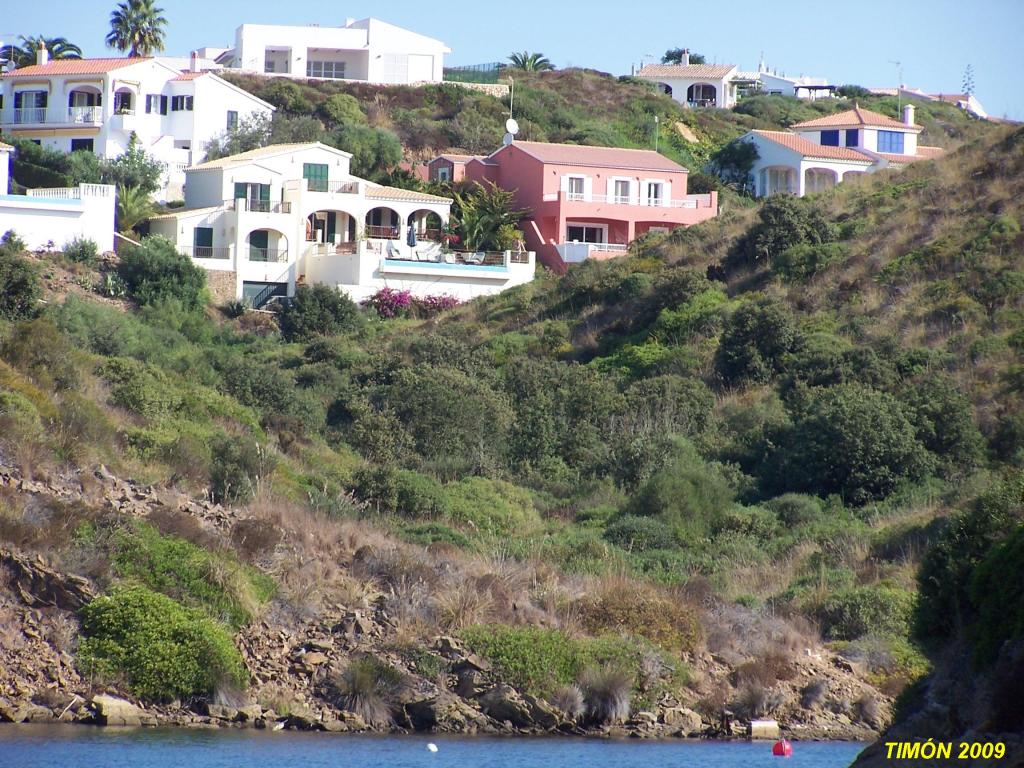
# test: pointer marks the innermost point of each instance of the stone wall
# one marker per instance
(222, 286)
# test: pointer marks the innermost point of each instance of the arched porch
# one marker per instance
(84, 104)
(777, 180)
(331, 226)
(267, 245)
(702, 95)
(819, 180)
(427, 224)
(124, 101)
(383, 223)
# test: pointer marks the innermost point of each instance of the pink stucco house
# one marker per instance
(591, 202)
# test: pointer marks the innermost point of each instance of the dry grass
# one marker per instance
(463, 605)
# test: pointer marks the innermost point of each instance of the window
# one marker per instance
(584, 234)
(444, 173)
(268, 65)
(81, 145)
(30, 106)
(830, 138)
(123, 103)
(232, 120)
(575, 187)
(156, 104)
(316, 173)
(622, 191)
(852, 137)
(202, 240)
(181, 103)
(654, 193)
(333, 69)
(256, 196)
(890, 141)
(259, 244)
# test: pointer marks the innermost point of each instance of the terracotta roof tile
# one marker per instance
(808, 148)
(402, 195)
(600, 157)
(6, 147)
(856, 116)
(927, 154)
(74, 67)
(456, 158)
(687, 71)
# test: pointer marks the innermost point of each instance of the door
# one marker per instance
(258, 244)
(203, 243)
(256, 196)
(621, 191)
(316, 173)
(653, 193)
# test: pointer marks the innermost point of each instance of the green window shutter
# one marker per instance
(241, 190)
(204, 236)
(265, 192)
(317, 175)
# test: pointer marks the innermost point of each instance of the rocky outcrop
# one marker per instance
(111, 710)
(446, 713)
(37, 585)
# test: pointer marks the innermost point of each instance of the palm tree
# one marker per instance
(24, 53)
(133, 207)
(531, 62)
(136, 26)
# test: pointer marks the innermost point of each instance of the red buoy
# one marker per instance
(782, 748)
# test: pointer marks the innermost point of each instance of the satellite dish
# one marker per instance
(512, 126)
(507, 139)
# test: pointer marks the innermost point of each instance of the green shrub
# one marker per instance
(942, 417)
(784, 221)
(796, 509)
(491, 506)
(688, 495)
(40, 350)
(341, 108)
(156, 272)
(859, 611)
(212, 582)
(801, 262)
(868, 429)
(20, 287)
(625, 609)
(996, 590)
(81, 250)
(141, 388)
(639, 534)
(402, 492)
(317, 310)
(757, 343)
(237, 466)
(161, 650)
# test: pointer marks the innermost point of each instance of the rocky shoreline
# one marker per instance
(291, 659)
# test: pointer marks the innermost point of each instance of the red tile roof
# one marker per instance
(74, 67)
(923, 153)
(599, 157)
(456, 158)
(855, 117)
(687, 71)
(810, 149)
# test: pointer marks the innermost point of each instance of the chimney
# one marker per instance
(908, 114)
(193, 63)
(42, 55)
(685, 58)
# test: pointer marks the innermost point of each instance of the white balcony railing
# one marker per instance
(72, 193)
(692, 201)
(23, 115)
(85, 115)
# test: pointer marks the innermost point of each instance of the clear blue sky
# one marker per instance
(847, 42)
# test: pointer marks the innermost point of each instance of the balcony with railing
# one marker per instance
(690, 201)
(85, 115)
(205, 252)
(575, 251)
(260, 206)
(273, 255)
(376, 232)
(29, 115)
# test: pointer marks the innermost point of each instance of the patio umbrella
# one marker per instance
(411, 239)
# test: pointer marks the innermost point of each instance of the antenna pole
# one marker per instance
(511, 94)
(656, 133)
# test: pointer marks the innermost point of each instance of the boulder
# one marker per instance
(684, 720)
(37, 585)
(249, 714)
(111, 710)
(13, 713)
(543, 714)
(504, 704)
(445, 713)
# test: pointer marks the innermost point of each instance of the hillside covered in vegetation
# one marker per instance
(656, 485)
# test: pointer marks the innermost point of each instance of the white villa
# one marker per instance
(97, 104)
(821, 153)
(695, 85)
(368, 50)
(264, 221)
(51, 218)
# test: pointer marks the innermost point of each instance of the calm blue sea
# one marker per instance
(74, 746)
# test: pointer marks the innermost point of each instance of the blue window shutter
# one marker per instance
(852, 137)
(830, 138)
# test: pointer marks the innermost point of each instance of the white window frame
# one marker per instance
(649, 199)
(569, 193)
(327, 69)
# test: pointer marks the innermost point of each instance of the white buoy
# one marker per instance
(432, 747)
(279, 726)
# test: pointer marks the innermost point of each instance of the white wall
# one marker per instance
(5, 170)
(86, 211)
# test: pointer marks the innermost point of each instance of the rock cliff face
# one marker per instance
(292, 659)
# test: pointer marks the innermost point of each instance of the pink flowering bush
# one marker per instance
(389, 302)
(429, 306)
